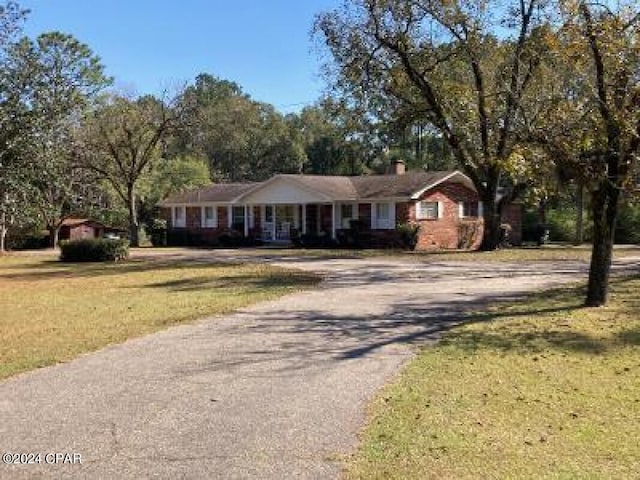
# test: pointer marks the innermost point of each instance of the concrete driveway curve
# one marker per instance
(277, 390)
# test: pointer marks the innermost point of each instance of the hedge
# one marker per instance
(94, 250)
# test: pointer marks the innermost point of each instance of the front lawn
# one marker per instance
(548, 253)
(536, 389)
(51, 312)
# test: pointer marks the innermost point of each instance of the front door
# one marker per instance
(285, 221)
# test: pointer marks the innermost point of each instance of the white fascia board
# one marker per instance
(379, 200)
(285, 178)
(310, 190)
(257, 187)
(195, 204)
(416, 195)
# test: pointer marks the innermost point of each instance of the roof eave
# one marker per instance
(285, 178)
(418, 193)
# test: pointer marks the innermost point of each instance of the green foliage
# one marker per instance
(408, 234)
(157, 231)
(179, 174)
(442, 64)
(122, 142)
(240, 138)
(628, 224)
(332, 139)
(94, 250)
(467, 234)
(170, 176)
(44, 85)
(562, 224)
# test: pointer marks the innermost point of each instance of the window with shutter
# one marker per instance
(428, 210)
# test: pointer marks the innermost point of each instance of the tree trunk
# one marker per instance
(133, 218)
(491, 230)
(3, 236)
(579, 240)
(542, 212)
(54, 236)
(604, 206)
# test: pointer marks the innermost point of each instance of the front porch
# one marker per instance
(286, 223)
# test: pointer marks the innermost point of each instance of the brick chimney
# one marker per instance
(397, 167)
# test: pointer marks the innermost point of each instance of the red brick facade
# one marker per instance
(512, 215)
(447, 231)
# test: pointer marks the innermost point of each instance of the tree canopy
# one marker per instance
(442, 63)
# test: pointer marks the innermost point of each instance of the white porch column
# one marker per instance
(275, 223)
(333, 220)
(304, 218)
(229, 215)
(246, 220)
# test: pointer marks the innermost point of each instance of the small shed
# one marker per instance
(80, 228)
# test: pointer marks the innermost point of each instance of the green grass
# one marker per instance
(52, 312)
(537, 389)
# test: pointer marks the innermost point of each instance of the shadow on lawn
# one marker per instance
(54, 269)
(272, 280)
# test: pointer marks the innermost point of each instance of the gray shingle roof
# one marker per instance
(217, 192)
(339, 188)
(333, 186)
(391, 186)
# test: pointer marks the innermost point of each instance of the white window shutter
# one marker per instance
(461, 209)
(392, 215)
(480, 210)
(203, 217)
(440, 209)
(373, 216)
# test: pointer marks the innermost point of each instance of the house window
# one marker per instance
(346, 215)
(384, 216)
(237, 218)
(427, 210)
(209, 219)
(469, 210)
(268, 213)
(179, 217)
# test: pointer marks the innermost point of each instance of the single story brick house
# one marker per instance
(289, 207)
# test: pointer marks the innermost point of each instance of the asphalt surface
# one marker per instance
(278, 390)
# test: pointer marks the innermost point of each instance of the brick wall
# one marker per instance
(223, 217)
(194, 218)
(447, 231)
(403, 213)
(512, 215)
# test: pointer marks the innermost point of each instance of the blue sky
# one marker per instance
(149, 45)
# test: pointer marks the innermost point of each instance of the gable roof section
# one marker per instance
(410, 185)
(217, 192)
(331, 188)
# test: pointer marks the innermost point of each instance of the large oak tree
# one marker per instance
(464, 67)
(588, 116)
(121, 141)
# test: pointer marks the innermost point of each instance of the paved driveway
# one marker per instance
(275, 391)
